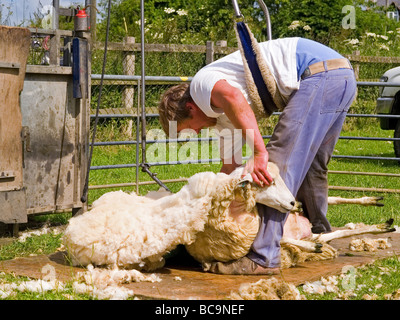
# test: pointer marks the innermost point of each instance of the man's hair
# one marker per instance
(172, 106)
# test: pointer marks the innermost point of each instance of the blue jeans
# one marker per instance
(302, 145)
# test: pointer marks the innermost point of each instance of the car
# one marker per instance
(388, 103)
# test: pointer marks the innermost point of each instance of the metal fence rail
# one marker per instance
(134, 80)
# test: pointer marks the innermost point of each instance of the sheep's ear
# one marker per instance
(245, 180)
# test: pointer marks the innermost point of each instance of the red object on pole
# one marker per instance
(81, 13)
(81, 20)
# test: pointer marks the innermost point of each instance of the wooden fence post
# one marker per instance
(55, 48)
(356, 65)
(209, 52)
(128, 64)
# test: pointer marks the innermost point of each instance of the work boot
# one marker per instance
(244, 266)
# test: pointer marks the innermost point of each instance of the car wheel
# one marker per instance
(397, 143)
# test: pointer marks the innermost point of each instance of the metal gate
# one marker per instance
(137, 114)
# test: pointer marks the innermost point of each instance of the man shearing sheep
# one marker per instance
(317, 86)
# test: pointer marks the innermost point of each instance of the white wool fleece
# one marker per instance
(127, 230)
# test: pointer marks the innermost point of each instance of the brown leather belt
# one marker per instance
(327, 65)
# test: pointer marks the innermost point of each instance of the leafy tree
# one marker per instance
(179, 21)
(317, 19)
(195, 22)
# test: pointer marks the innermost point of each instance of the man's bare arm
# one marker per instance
(239, 112)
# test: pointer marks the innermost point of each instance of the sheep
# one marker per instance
(214, 216)
(131, 231)
(229, 233)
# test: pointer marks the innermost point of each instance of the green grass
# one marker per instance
(377, 281)
(43, 244)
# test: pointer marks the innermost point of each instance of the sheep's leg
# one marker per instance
(308, 246)
(364, 201)
(338, 234)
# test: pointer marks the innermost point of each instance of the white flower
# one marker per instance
(370, 34)
(182, 12)
(294, 25)
(353, 41)
(169, 10)
(307, 28)
(383, 47)
(139, 22)
(158, 35)
(383, 37)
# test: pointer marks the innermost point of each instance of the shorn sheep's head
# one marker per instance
(276, 195)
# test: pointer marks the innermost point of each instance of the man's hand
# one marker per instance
(257, 167)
